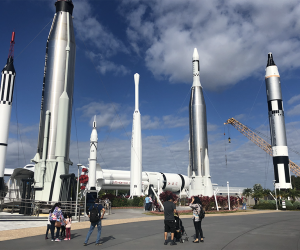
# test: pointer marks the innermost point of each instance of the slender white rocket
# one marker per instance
(136, 146)
(6, 97)
(199, 160)
(93, 156)
(277, 126)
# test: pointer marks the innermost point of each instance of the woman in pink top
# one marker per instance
(68, 226)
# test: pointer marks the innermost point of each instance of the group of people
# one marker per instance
(170, 224)
(61, 221)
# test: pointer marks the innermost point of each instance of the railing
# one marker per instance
(35, 207)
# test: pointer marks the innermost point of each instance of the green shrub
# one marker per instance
(296, 204)
(288, 203)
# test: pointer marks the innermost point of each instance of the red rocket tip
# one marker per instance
(13, 37)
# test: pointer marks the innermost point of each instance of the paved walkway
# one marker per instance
(251, 230)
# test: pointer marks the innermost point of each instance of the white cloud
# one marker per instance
(101, 42)
(172, 121)
(294, 111)
(233, 39)
(294, 99)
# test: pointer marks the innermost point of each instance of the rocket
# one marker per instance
(277, 126)
(136, 146)
(93, 156)
(8, 75)
(52, 157)
(199, 160)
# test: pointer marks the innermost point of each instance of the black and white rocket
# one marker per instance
(199, 171)
(277, 126)
(8, 75)
(52, 157)
(136, 146)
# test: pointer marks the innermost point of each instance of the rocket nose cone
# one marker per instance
(195, 54)
(136, 78)
(270, 60)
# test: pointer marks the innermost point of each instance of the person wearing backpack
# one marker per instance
(198, 215)
(95, 216)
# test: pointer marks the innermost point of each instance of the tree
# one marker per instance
(257, 187)
(266, 192)
(257, 194)
(247, 192)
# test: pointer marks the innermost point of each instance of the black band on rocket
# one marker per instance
(66, 6)
(285, 161)
(3, 144)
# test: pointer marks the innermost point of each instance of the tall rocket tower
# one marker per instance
(8, 75)
(136, 146)
(52, 157)
(199, 161)
(277, 126)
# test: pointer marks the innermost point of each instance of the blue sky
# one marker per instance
(116, 39)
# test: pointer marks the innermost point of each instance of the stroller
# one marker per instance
(180, 233)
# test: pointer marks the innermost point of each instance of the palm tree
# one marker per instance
(266, 192)
(247, 192)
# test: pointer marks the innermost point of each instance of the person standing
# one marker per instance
(55, 217)
(147, 200)
(196, 205)
(169, 210)
(95, 216)
(68, 226)
(48, 227)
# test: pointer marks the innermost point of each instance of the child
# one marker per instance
(68, 226)
(48, 228)
(63, 227)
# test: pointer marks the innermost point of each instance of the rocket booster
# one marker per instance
(93, 156)
(198, 123)
(136, 146)
(277, 126)
(8, 75)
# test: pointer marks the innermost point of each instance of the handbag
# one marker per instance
(57, 224)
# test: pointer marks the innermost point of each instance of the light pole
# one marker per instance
(78, 165)
(275, 194)
(228, 195)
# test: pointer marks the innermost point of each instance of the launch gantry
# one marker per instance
(252, 136)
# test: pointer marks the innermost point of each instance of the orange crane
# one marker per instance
(259, 141)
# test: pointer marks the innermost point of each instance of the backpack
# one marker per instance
(94, 214)
(202, 213)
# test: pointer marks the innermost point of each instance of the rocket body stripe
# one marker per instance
(277, 126)
(6, 88)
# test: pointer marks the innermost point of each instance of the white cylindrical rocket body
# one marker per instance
(6, 97)
(199, 160)
(55, 75)
(277, 126)
(136, 146)
(93, 157)
(57, 97)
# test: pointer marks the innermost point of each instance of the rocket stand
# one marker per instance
(89, 200)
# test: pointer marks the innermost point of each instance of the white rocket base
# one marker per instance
(43, 190)
(201, 186)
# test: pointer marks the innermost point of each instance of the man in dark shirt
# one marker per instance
(169, 210)
(93, 224)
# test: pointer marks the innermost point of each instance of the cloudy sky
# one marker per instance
(116, 39)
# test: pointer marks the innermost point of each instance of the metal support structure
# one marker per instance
(259, 142)
(78, 165)
(275, 195)
(215, 194)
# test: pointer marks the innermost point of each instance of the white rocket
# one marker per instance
(199, 160)
(6, 97)
(93, 156)
(52, 158)
(136, 146)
